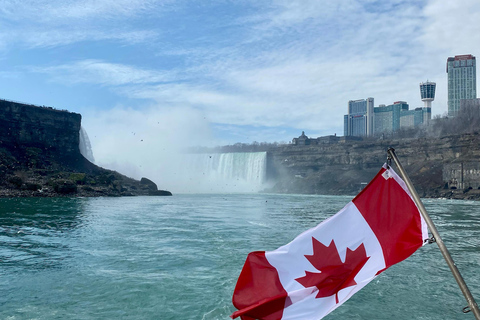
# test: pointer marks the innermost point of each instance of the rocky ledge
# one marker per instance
(32, 172)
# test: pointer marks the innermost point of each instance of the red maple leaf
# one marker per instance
(335, 275)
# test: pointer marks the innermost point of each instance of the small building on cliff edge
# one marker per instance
(304, 140)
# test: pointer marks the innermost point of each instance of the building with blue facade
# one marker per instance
(387, 118)
(359, 120)
(462, 81)
(414, 118)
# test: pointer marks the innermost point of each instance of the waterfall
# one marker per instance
(227, 172)
(85, 146)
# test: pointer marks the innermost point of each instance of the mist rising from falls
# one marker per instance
(85, 146)
(224, 172)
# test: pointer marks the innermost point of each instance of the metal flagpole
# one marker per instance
(431, 226)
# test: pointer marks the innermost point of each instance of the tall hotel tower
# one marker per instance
(359, 120)
(462, 81)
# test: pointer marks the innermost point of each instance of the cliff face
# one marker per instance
(40, 127)
(344, 168)
(40, 156)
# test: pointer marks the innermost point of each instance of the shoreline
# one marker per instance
(89, 192)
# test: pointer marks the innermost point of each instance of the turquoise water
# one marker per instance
(179, 257)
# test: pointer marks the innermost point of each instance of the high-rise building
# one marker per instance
(359, 120)
(387, 118)
(414, 118)
(462, 81)
(470, 103)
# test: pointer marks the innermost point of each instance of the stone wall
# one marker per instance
(462, 175)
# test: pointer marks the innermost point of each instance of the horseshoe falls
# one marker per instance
(237, 172)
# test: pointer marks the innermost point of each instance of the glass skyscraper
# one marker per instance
(359, 120)
(387, 118)
(462, 81)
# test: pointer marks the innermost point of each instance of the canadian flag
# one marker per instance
(324, 266)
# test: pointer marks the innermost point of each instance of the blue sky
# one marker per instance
(178, 72)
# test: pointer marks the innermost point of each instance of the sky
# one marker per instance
(149, 76)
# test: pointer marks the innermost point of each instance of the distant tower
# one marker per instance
(462, 81)
(427, 92)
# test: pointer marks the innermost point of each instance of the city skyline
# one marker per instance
(462, 85)
(151, 76)
(365, 120)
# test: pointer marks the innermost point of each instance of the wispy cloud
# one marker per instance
(310, 79)
(48, 38)
(452, 26)
(44, 11)
(48, 24)
(104, 73)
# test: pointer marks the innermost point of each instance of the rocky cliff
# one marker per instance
(46, 128)
(442, 167)
(40, 156)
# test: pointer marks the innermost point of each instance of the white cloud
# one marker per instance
(105, 73)
(309, 85)
(53, 23)
(56, 12)
(452, 26)
(51, 38)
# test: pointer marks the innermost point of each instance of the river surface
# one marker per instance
(179, 257)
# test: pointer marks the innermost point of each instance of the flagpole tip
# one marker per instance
(390, 153)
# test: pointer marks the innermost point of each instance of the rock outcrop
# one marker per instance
(40, 156)
(52, 130)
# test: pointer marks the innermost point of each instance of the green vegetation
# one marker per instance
(78, 178)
